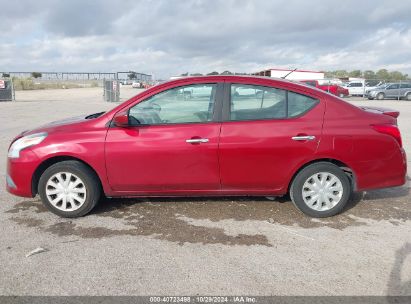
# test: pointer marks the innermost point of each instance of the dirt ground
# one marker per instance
(212, 246)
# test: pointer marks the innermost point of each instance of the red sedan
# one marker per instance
(213, 136)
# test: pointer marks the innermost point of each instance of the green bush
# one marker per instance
(30, 84)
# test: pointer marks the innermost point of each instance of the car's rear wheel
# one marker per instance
(341, 95)
(408, 96)
(321, 190)
(69, 189)
(380, 96)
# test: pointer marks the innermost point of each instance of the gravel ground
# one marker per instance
(213, 246)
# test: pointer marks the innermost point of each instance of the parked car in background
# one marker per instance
(359, 88)
(213, 136)
(391, 90)
(331, 88)
(136, 84)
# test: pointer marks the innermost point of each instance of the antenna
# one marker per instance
(284, 77)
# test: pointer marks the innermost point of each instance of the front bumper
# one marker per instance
(370, 94)
(20, 173)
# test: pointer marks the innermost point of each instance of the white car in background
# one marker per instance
(136, 84)
(359, 88)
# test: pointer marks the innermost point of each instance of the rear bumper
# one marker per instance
(386, 173)
(20, 172)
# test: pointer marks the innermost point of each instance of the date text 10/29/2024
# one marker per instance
(203, 299)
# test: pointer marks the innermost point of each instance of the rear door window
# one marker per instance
(355, 85)
(393, 86)
(251, 102)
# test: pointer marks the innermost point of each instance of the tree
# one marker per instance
(36, 75)
(213, 73)
(132, 75)
(355, 73)
(341, 73)
(226, 73)
(383, 74)
(395, 75)
(6, 75)
(184, 74)
(196, 74)
(369, 74)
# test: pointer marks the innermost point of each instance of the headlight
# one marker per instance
(25, 142)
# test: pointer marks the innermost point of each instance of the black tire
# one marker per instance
(380, 96)
(89, 180)
(297, 185)
(370, 98)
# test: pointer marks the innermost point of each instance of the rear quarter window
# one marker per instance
(299, 104)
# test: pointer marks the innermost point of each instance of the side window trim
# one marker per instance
(227, 104)
(218, 102)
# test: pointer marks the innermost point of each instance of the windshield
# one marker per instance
(382, 86)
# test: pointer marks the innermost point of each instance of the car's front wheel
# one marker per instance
(408, 96)
(321, 190)
(380, 96)
(69, 189)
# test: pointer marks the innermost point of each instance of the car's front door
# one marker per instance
(172, 145)
(266, 134)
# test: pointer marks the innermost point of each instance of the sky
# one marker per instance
(171, 37)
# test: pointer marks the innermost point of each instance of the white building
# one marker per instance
(292, 75)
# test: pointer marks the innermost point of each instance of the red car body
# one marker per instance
(254, 157)
(331, 88)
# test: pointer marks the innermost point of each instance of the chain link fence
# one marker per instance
(6, 90)
(111, 90)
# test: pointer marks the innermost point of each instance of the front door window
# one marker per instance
(186, 104)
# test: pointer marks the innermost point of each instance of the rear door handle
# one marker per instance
(303, 137)
(197, 140)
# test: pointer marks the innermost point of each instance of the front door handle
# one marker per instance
(197, 140)
(303, 137)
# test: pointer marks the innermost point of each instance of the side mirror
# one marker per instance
(121, 119)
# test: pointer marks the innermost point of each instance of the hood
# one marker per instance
(54, 126)
(65, 121)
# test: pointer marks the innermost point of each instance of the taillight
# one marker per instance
(391, 130)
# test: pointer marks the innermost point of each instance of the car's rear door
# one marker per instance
(172, 147)
(392, 90)
(405, 88)
(265, 136)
